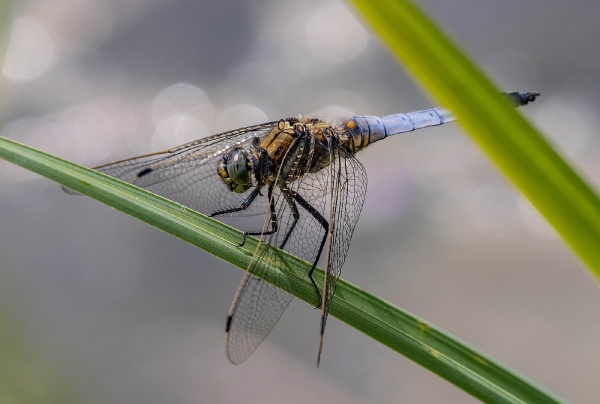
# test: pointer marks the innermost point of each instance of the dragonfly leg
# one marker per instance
(290, 200)
(314, 213)
(273, 222)
(245, 204)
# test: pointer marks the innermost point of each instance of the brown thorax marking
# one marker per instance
(277, 144)
(353, 137)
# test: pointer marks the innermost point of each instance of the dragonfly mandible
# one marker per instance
(302, 174)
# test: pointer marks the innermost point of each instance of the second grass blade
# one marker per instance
(520, 152)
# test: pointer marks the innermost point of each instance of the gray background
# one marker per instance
(121, 312)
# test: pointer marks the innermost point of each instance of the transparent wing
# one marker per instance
(258, 305)
(348, 190)
(255, 310)
(188, 174)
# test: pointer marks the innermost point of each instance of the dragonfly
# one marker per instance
(302, 175)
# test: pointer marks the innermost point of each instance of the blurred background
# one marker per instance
(99, 307)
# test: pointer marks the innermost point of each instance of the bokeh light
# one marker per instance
(334, 35)
(239, 116)
(31, 51)
(182, 113)
(77, 25)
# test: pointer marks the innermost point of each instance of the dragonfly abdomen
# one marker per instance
(364, 130)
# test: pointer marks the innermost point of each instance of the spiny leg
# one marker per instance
(272, 221)
(289, 199)
(245, 204)
(286, 191)
(314, 213)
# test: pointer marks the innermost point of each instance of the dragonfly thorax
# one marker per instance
(298, 146)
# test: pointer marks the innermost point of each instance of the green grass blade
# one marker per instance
(439, 352)
(520, 152)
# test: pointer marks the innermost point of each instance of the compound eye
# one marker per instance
(237, 168)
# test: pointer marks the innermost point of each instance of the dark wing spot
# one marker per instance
(228, 324)
(144, 172)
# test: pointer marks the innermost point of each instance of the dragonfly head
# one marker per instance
(236, 171)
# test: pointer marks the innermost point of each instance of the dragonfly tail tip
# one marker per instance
(520, 99)
(320, 350)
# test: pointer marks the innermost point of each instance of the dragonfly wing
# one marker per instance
(348, 189)
(258, 305)
(188, 174)
(256, 309)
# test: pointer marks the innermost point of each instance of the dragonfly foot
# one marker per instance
(243, 240)
(310, 273)
(320, 300)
